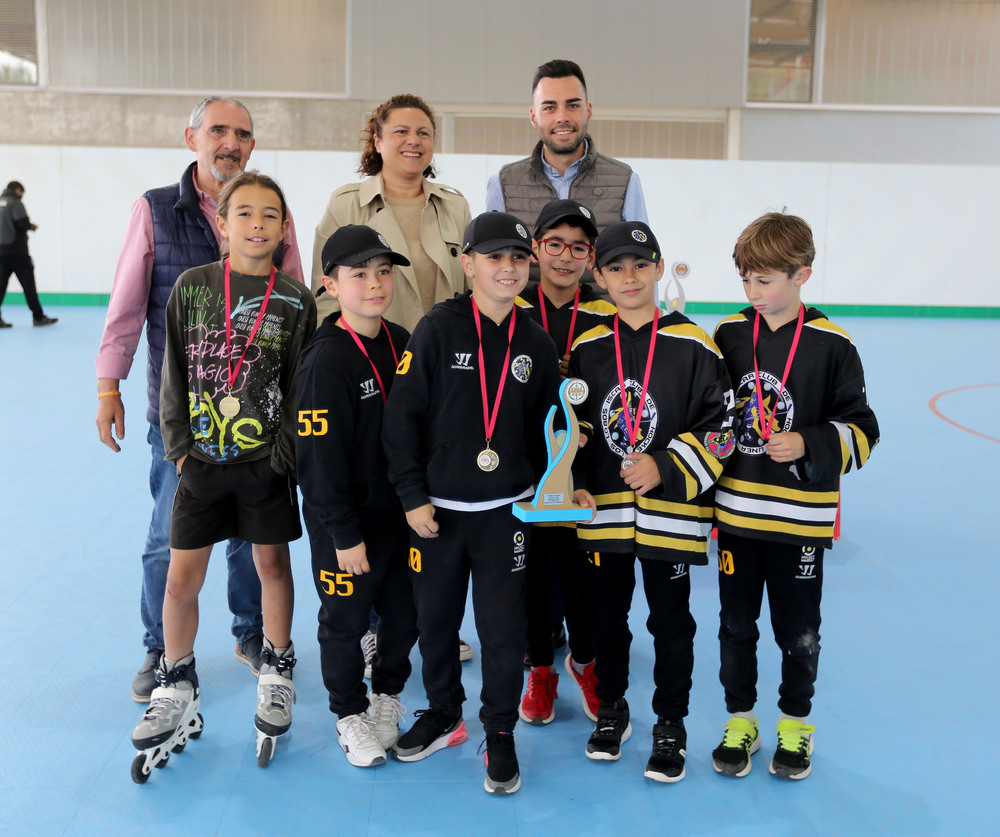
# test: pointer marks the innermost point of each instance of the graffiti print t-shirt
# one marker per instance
(196, 367)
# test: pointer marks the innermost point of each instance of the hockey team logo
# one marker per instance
(584, 211)
(751, 412)
(463, 360)
(385, 243)
(520, 368)
(519, 552)
(521, 231)
(807, 567)
(369, 389)
(614, 419)
(720, 444)
(639, 236)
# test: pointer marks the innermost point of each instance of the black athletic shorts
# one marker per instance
(247, 500)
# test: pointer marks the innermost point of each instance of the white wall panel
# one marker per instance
(885, 234)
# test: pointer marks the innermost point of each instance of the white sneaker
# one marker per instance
(355, 736)
(383, 714)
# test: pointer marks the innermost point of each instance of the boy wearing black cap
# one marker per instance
(357, 530)
(463, 434)
(659, 419)
(566, 307)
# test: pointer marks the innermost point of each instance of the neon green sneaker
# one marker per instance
(795, 746)
(740, 740)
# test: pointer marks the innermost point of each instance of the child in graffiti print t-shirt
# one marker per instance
(196, 374)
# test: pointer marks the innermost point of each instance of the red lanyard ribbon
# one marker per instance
(364, 351)
(633, 428)
(572, 321)
(490, 421)
(765, 419)
(233, 373)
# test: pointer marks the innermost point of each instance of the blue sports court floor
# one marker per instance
(906, 700)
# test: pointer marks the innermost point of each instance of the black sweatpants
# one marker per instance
(554, 550)
(346, 601)
(491, 547)
(793, 575)
(670, 623)
(21, 265)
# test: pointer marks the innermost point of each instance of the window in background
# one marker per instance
(18, 44)
(782, 47)
(924, 53)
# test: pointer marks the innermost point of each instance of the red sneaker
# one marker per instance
(588, 684)
(537, 705)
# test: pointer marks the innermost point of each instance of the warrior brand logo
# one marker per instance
(520, 367)
(748, 439)
(519, 553)
(806, 572)
(613, 418)
(368, 389)
(680, 570)
(463, 360)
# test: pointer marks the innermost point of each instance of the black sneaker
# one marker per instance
(4, 323)
(248, 652)
(666, 762)
(793, 756)
(502, 774)
(433, 731)
(145, 679)
(612, 730)
(740, 740)
(43, 320)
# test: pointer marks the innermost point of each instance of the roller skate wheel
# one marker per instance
(265, 750)
(140, 773)
(162, 760)
(179, 747)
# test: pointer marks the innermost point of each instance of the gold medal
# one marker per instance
(229, 406)
(487, 460)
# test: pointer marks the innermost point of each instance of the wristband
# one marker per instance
(108, 393)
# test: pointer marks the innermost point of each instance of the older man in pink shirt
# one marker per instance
(170, 230)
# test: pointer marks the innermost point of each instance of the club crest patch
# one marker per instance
(614, 421)
(639, 236)
(521, 231)
(777, 402)
(584, 211)
(520, 367)
(720, 445)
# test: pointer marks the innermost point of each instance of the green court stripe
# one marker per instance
(951, 311)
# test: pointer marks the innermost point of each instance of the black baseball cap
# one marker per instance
(632, 238)
(15, 185)
(355, 244)
(555, 213)
(494, 231)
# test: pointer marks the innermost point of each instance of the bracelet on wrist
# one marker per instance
(108, 393)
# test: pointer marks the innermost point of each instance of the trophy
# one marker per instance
(554, 498)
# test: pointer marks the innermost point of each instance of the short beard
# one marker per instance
(566, 149)
(222, 177)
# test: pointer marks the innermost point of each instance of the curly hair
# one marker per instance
(371, 160)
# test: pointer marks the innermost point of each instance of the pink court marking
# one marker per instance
(934, 409)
